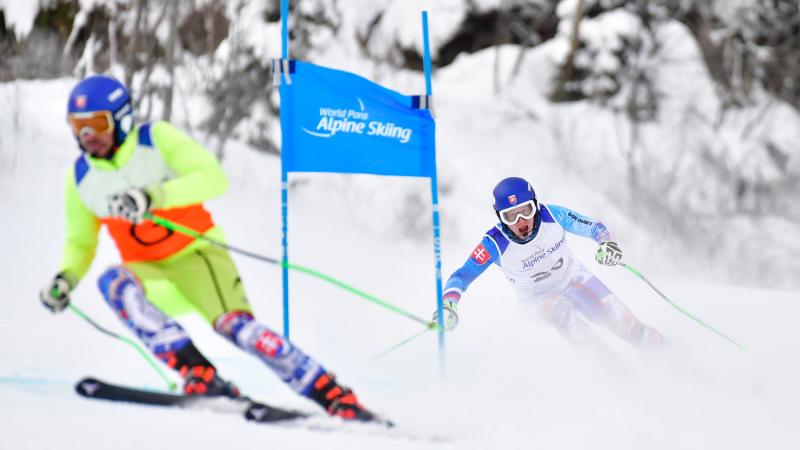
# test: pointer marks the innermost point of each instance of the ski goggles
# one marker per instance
(512, 215)
(97, 122)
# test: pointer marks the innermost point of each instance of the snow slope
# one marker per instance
(508, 383)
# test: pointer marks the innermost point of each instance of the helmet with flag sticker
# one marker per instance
(102, 104)
(515, 199)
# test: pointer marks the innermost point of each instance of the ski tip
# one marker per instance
(386, 422)
(87, 386)
(261, 413)
(370, 417)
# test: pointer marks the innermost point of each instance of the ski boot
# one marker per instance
(203, 380)
(338, 401)
(200, 376)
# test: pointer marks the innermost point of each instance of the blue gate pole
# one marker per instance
(284, 182)
(285, 29)
(437, 247)
(426, 59)
(285, 245)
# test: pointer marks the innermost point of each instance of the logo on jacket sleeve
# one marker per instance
(480, 255)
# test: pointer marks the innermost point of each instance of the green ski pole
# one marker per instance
(681, 310)
(431, 326)
(145, 355)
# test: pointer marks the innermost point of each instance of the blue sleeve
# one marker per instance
(485, 253)
(579, 224)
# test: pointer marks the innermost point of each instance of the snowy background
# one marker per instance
(508, 383)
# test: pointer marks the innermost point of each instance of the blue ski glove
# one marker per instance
(450, 310)
(130, 205)
(55, 294)
(609, 253)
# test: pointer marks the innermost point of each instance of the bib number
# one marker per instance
(537, 277)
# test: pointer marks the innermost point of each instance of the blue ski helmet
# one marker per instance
(104, 93)
(510, 192)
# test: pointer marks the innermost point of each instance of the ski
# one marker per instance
(250, 409)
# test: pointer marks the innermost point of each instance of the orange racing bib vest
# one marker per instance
(145, 241)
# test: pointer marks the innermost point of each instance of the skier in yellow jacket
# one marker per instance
(127, 172)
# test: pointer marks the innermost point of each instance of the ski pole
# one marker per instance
(431, 326)
(681, 310)
(145, 355)
(338, 283)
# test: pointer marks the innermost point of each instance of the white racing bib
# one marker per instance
(541, 265)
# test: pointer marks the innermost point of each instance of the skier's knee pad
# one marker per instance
(562, 313)
(229, 324)
(126, 296)
(289, 362)
(570, 324)
(244, 331)
(113, 282)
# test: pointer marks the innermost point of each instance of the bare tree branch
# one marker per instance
(568, 68)
(171, 48)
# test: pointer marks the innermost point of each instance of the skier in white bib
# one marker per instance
(555, 288)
